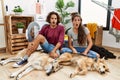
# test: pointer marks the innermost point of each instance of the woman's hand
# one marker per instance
(84, 53)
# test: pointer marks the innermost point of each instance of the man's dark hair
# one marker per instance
(49, 16)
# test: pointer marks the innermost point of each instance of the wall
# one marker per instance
(2, 37)
(108, 39)
(29, 8)
(91, 9)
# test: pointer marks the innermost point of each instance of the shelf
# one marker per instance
(15, 41)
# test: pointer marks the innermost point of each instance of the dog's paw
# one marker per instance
(18, 77)
(72, 75)
(13, 75)
(2, 63)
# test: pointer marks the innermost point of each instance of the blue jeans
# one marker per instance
(91, 53)
(47, 47)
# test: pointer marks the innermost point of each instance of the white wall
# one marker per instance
(2, 37)
(29, 8)
(92, 12)
(108, 39)
(29, 5)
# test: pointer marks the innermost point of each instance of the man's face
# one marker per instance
(53, 19)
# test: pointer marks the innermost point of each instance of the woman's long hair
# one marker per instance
(81, 32)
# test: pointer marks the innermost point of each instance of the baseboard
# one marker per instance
(112, 48)
(3, 50)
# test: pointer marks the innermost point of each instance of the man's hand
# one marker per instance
(53, 55)
(75, 51)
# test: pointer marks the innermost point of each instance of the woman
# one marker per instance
(79, 39)
(51, 38)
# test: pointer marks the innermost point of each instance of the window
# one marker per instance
(91, 12)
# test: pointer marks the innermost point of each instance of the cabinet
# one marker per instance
(14, 40)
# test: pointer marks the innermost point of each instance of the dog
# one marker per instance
(42, 61)
(101, 66)
(37, 61)
(83, 64)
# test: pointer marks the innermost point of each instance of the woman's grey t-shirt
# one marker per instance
(75, 37)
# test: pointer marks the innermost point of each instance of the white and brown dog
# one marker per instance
(42, 61)
(37, 61)
(83, 64)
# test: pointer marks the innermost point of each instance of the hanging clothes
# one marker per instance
(115, 23)
(92, 28)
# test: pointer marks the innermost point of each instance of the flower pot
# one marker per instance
(20, 30)
(18, 13)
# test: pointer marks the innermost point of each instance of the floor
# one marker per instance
(63, 74)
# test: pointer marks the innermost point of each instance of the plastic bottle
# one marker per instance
(38, 7)
(6, 10)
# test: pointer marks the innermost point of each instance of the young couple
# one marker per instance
(51, 38)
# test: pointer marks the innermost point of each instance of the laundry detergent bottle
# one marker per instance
(38, 7)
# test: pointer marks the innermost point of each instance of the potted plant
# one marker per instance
(62, 8)
(18, 10)
(20, 27)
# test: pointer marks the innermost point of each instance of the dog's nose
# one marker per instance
(102, 72)
(49, 70)
(48, 73)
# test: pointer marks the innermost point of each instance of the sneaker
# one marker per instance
(19, 63)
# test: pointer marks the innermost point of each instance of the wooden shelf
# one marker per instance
(14, 40)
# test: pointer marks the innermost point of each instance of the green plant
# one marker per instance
(20, 25)
(17, 9)
(61, 8)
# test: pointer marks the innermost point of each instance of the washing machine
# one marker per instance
(36, 26)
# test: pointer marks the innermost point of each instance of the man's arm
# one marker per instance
(59, 44)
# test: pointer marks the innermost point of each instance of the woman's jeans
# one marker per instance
(91, 53)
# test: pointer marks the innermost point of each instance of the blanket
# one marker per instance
(103, 52)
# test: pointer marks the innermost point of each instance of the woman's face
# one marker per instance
(53, 20)
(76, 22)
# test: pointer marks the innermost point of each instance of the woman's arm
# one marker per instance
(70, 45)
(89, 44)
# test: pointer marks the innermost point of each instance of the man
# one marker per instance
(50, 37)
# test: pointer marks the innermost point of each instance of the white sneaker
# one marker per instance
(19, 63)
(16, 65)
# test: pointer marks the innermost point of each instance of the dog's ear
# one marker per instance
(106, 66)
(107, 69)
(102, 60)
(95, 59)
